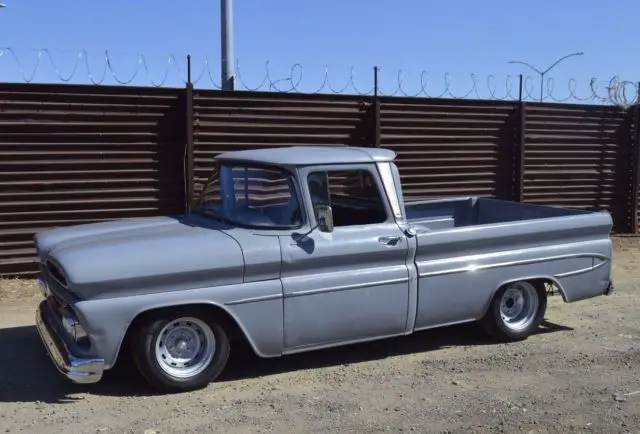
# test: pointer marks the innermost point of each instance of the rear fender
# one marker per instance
(535, 279)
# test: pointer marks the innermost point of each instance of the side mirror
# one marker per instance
(324, 215)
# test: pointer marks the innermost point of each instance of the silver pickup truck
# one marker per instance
(295, 249)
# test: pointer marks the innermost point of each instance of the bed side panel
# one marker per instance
(460, 270)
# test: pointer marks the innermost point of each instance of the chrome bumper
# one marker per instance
(78, 370)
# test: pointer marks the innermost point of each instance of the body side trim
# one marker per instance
(345, 287)
(512, 263)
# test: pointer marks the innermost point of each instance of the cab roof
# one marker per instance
(302, 155)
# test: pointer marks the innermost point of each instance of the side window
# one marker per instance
(352, 194)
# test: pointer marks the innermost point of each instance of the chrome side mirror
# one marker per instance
(324, 216)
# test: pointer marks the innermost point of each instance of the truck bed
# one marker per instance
(468, 247)
(433, 215)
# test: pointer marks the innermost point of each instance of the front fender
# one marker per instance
(256, 307)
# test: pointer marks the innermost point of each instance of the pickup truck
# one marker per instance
(299, 248)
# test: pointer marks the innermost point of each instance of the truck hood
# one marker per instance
(141, 256)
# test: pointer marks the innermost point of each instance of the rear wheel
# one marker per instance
(180, 350)
(516, 311)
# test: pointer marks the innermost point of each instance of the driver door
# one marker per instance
(352, 284)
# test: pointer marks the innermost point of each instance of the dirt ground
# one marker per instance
(579, 374)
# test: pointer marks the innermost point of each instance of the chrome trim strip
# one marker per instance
(514, 252)
(581, 271)
(390, 187)
(432, 220)
(345, 287)
(470, 268)
(78, 370)
(254, 299)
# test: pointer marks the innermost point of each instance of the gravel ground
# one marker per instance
(579, 374)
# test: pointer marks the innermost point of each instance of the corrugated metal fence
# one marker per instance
(451, 147)
(72, 154)
(582, 157)
(77, 154)
(227, 121)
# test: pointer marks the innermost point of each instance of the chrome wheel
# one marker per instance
(519, 305)
(185, 347)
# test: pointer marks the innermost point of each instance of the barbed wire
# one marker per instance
(82, 57)
(615, 91)
(622, 92)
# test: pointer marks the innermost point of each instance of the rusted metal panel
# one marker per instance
(451, 147)
(78, 154)
(225, 121)
(580, 157)
(634, 176)
(72, 154)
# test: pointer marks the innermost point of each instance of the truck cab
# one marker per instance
(345, 238)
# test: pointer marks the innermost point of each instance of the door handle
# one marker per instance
(390, 241)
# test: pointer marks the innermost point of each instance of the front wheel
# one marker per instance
(516, 311)
(180, 351)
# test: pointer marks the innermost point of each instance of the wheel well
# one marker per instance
(549, 286)
(230, 325)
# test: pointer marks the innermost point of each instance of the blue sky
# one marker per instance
(456, 37)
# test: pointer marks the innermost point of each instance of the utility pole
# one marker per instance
(226, 28)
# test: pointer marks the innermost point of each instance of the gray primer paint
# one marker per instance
(290, 294)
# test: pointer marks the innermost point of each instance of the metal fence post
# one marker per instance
(189, 171)
(521, 135)
(376, 110)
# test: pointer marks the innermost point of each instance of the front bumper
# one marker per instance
(77, 369)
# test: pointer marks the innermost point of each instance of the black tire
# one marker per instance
(499, 329)
(147, 334)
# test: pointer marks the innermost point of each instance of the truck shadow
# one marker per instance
(245, 364)
(27, 375)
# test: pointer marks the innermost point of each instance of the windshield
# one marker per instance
(245, 195)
